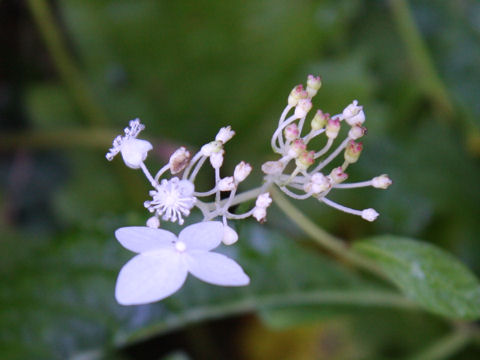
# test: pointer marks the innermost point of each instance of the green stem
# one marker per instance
(323, 297)
(446, 346)
(69, 73)
(334, 245)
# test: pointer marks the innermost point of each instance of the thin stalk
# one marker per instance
(329, 242)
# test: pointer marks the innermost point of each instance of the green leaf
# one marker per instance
(427, 275)
(59, 300)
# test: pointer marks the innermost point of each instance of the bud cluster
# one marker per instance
(308, 176)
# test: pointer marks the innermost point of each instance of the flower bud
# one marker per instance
(179, 160)
(305, 159)
(153, 222)
(318, 183)
(302, 108)
(296, 94)
(337, 175)
(242, 170)
(260, 214)
(226, 184)
(263, 200)
(211, 147)
(354, 114)
(381, 182)
(230, 236)
(272, 167)
(134, 152)
(319, 120)
(357, 132)
(369, 214)
(225, 134)
(291, 132)
(296, 148)
(332, 129)
(216, 159)
(313, 84)
(353, 151)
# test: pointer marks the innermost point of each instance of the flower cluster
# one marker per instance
(163, 262)
(301, 171)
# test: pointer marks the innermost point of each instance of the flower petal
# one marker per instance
(150, 277)
(142, 238)
(216, 269)
(205, 235)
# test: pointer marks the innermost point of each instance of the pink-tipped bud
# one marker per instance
(296, 94)
(226, 184)
(353, 151)
(216, 159)
(338, 175)
(179, 160)
(242, 170)
(302, 108)
(369, 214)
(272, 167)
(296, 148)
(319, 120)
(332, 129)
(381, 182)
(305, 159)
(313, 84)
(291, 132)
(356, 132)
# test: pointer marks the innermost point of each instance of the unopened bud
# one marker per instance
(260, 214)
(216, 159)
(353, 151)
(179, 160)
(296, 148)
(226, 184)
(263, 200)
(225, 134)
(357, 132)
(313, 84)
(318, 183)
(305, 159)
(291, 132)
(153, 222)
(332, 129)
(302, 108)
(211, 147)
(230, 236)
(381, 182)
(319, 120)
(337, 175)
(242, 170)
(369, 214)
(296, 94)
(272, 167)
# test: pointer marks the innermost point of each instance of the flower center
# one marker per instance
(180, 246)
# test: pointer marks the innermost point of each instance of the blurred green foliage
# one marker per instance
(187, 68)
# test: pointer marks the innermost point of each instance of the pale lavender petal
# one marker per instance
(216, 269)
(150, 277)
(141, 238)
(205, 235)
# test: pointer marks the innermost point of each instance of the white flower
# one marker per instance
(242, 170)
(134, 151)
(318, 183)
(263, 200)
(216, 159)
(381, 182)
(369, 214)
(260, 214)
(163, 262)
(230, 236)
(272, 167)
(172, 199)
(226, 184)
(225, 134)
(354, 114)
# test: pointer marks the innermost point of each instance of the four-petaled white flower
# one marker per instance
(134, 151)
(163, 262)
(172, 199)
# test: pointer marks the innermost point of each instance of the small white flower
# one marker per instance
(263, 200)
(216, 159)
(172, 199)
(226, 184)
(230, 236)
(318, 183)
(242, 170)
(225, 134)
(272, 167)
(164, 261)
(134, 151)
(211, 147)
(354, 114)
(381, 182)
(369, 214)
(260, 214)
